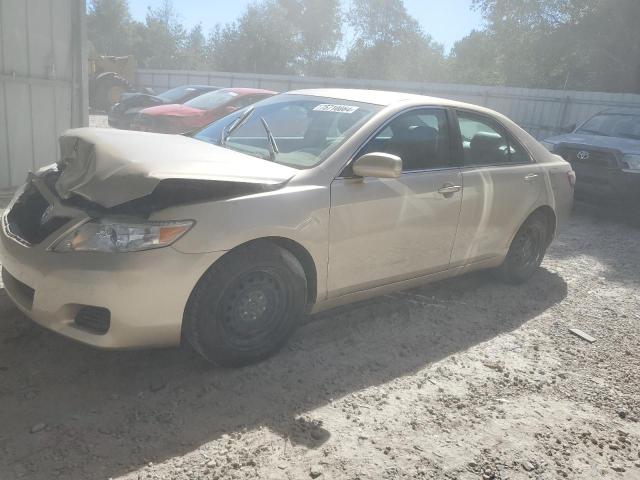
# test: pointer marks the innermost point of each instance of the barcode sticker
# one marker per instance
(328, 107)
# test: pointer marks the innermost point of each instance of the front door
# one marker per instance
(387, 230)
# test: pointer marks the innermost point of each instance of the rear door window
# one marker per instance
(485, 142)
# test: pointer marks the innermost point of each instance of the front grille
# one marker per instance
(596, 158)
(21, 292)
(27, 220)
(94, 319)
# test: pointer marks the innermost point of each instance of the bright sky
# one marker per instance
(445, 20)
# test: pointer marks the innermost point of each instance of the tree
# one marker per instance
(161, 39)
(280, 36)
(317, 30)
(579, 44)
(390, 44)
(259, 41)
(473, 60)
(609, 40)
(110, 27)
(196, 51)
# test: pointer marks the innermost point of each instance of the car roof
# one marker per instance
(381, 97)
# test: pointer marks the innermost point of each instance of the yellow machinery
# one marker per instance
(109, 78)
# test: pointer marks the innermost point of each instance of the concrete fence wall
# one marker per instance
(542, 113)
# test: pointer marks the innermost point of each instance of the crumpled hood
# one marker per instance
(174, 110)
(623, 145)
(111, 167)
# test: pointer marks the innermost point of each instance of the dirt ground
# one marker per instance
(464, 379)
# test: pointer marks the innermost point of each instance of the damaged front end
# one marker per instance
(103, 177)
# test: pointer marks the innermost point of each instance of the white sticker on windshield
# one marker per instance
(327, 107)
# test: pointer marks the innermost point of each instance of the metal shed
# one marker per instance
(43, 81)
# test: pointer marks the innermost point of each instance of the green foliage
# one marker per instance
(280, 36)
(390, 44)
(573, 44)
(161, 39)
(260, 41)
(473, 60)
(110, 27)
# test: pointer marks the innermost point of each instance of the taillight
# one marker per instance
(571, 177)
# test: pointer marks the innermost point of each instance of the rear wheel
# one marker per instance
(247, 305)
(526, 251)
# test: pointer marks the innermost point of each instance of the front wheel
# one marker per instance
(246, 305)
(526, 251)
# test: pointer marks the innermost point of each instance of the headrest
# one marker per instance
(486, 142)
(415, 134)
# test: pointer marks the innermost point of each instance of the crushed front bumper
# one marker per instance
(145, 292)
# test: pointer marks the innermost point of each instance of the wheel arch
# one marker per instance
(552, 220)
(298, 251)
(550, 217)
(305, 259)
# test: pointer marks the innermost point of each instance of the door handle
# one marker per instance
(531, 177)
(449, 189)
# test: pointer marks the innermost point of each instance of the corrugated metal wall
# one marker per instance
(541, 112)
(43, 81)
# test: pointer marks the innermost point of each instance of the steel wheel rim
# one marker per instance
(528, 251)
(252, 308)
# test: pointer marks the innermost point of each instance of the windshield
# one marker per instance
(175, 94)
(305, 129)
(211, 100)
(613, 125)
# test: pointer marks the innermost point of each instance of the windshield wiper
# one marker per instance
(233, 126)
(273, 146)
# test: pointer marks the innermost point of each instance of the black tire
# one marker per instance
(102, 95)
(526, 251)
(246, 306)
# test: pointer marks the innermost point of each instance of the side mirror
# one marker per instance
(378, 165)
(569, 128)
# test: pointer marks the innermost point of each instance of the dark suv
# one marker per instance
(605, 154)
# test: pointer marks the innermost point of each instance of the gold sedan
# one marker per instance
(302, 202)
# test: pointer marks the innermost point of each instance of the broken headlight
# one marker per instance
(111, 235)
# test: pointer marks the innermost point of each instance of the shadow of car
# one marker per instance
(112, 414)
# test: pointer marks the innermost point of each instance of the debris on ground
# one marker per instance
(584, 336)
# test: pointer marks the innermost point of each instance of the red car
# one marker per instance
(198, 112)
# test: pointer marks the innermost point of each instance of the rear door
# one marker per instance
(387, 230)
(502, 185)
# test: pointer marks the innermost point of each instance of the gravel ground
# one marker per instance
(464, 379)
